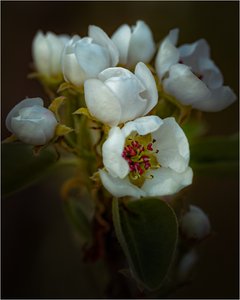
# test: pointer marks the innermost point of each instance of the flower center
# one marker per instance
(140, 155)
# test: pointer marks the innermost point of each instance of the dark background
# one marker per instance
(39, 256)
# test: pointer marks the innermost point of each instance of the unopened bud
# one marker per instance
(195, 224)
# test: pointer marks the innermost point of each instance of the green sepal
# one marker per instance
(147, 230)
(62, 130)
(20, 167)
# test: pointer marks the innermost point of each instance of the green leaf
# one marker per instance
(78, 213)
(147, 231)
(215, 155)
(20, 167)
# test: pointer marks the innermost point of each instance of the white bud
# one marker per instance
(186, 264)
(47, 52)
(31, 122)
(85, 58)
(195, 224)
(135, 44)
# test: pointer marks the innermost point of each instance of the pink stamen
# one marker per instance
(137, 156)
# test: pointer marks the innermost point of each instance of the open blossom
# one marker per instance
(134, 43)
(118, 95)
(31, 123)
(147, 157)
(47, 52)
(86, 57)
(188, 73)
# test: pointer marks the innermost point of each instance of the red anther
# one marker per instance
(132, 152)
(147, 165)
(135, 144)
(140, 170)
(145, 158)
(149, 147)
(132, 168)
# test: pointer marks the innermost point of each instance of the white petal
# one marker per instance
(142, 125)
(219, 99)
(112, 150)
(121, 39)
(56, 46)
(69, 47)
(185, 86)
(151, 93)
(101, 102)
(91, 57)
(168, 54)
(190, 54)
(172, 145)
(211, 75)
(28, 102)
(101, 38)
(142, 46)
(71, 69)
(120, 187)
(166, 181)
(41, 54)
(28, 132)
(127, 89)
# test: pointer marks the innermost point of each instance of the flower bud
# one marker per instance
(85, 58)
(186, 265)
(47, 51)
(195, 224)
(134, 44)
(31, 122)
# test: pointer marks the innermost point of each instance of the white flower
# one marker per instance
(118, 95)
(147, 157)
(31, 122)
(87, 57)
(134, 44)
(47, 52)
(195, 224)
(191, 76)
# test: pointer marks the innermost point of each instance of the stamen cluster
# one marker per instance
(138, 156)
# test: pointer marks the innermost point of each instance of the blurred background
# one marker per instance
(39, 256)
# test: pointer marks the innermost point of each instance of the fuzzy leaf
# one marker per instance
(147, 231)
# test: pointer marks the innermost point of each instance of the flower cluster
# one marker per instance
(125, 112)
(111, 82)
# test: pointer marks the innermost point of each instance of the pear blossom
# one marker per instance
(31, 123)
(189, 74)
(134, 43)
(117, 95)
(146, 157)
(85, 58)
(195, 224)
(47, 52)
